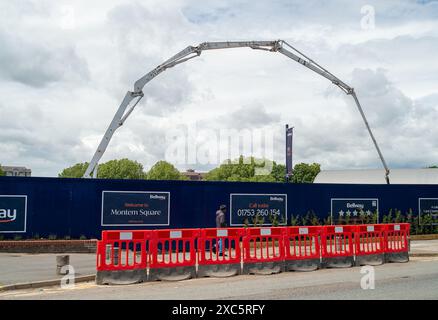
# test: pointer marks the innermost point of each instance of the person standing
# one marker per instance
(221, 223)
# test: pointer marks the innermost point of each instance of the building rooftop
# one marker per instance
(377, 176)
(16, 171)
(193, 175)
(10, 168)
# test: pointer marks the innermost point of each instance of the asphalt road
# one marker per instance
(417, 279)
(20, 268)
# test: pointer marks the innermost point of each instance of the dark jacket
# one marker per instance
(220, 219)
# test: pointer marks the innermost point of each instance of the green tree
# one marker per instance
(313, 219)
(398, 216)
(411, 220)
(278, 172)
(433, 167)
(75, 171)
(258, 220)
(2, 173)
(163, 170)
(294, 220)
(262, 178)
(273, 219)
(305, 173)
(247, 170)
(237, 170)
(121, 169)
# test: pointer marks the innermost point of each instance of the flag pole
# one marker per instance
(286, 172)
(289, 142)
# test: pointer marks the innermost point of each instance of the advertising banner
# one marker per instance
(13, 213)
(428, 211)
(247, 208)
(353, 209)
(135, 208)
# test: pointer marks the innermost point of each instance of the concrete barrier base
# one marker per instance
(370, 260)
(219, 270)
(337, 262)
(121, 276)
(172, 274)
(263, 268)
(302, 265)
(399, 257)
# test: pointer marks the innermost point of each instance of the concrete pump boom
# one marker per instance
(191, 52)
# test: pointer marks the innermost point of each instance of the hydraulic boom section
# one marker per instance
(191, 52)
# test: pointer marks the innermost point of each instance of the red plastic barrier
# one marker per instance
(173, 248)
(123, 250)
(337, 241)
(208, 246)
(397, 237)
(370, 239)
(296, 248)
(263, 244)
(302, 242)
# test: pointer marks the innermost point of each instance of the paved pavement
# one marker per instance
(20, 268)
(424, 247)
(417, 279)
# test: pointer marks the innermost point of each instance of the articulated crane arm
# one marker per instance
(192, 52)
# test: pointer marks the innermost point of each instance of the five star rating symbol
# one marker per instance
(355, 213)
(355, 210)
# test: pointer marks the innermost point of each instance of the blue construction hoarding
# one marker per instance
(75, 207)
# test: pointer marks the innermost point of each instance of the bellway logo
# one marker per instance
(13, 213)
(157, 196)
(8, 215)
(276, 199)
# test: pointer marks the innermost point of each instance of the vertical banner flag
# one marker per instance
(289, 136)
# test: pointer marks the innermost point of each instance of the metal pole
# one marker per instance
(289, 153)
(287, 173)
(292, 154)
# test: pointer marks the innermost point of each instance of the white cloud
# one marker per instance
(65, 66)
(29, 62)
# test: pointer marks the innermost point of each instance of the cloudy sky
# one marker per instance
(66, 65)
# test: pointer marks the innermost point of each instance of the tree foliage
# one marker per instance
(2, 173)
(163, 170)
(121, 169)
(279, 172)
(247, 170)
(126, 169)
(242, 169)
(113, 169)
(261, 170)
(305, 173)
(75, 171)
